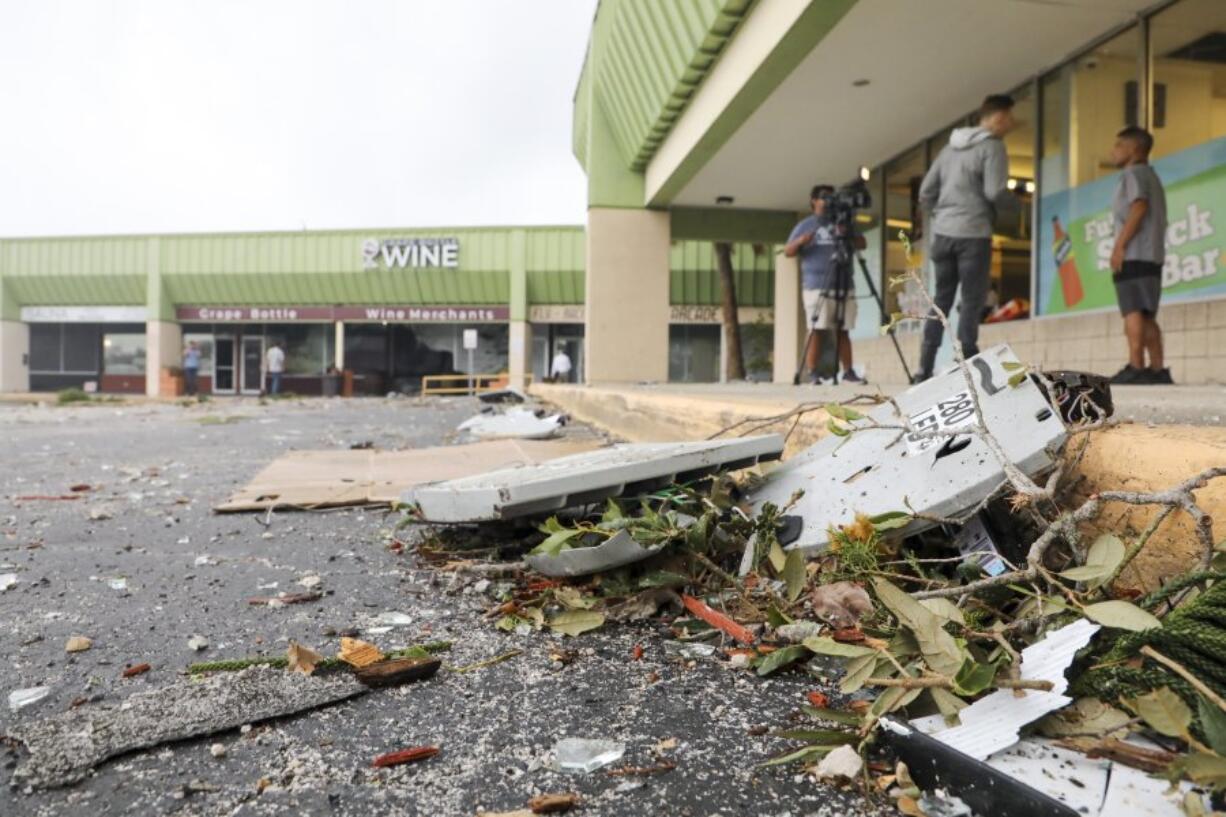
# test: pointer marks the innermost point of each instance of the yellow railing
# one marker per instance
(464, 383)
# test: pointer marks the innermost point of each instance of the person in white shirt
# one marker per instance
(275, 363)
(559, 370)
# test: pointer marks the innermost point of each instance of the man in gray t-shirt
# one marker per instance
(1139, 211)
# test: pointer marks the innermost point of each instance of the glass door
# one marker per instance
(253, 365)
(224, 364)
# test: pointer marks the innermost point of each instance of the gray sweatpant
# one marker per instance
(957, 261)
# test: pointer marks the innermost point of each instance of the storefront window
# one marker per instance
(903, 177)
(81, 342)
(694, 353)
(305, 346)
(1085, 104)
(1189, 68)
(204, 344)
(45, 347)
(123, 353)
(1013, 230)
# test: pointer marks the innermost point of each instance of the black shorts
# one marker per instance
(1138, 287)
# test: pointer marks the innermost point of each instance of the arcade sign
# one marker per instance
(414, 253)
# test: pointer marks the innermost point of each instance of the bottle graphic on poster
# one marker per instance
(1070, 278)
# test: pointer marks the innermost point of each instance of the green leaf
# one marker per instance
(944, 609)
(1213, 723)
(777, 557)
(800, 754)
(776, 617)
(823, 645)
(1011, 366)
(556, 542)
(948, 703)
(612, 512)
(859, 670)
(793, 574)
(781, 658)
(832, 715)
(1121, 615)
(836, 429)
(661, 578)
(574, 622)
(938, 647)
(572, 599)
(893, 698)
(1017, 379)
(820, 737)
(974, 677)
(890, 521)
(1103, 557)
(1164, 711)
(844, 413)
(1205, 768)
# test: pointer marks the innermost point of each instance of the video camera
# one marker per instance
(842, 203)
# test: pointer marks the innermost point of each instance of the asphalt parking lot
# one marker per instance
(140, 564)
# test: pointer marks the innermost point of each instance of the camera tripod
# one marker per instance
(845, 252)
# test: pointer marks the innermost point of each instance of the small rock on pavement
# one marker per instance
(218, 750)
(843, 762)
(100, 513)
(78, 643)
(310, 581)
(198, 643)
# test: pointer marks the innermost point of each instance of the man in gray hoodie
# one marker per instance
(961, 191)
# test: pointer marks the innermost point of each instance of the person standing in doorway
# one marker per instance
(825, 284)
(559, 370)
(1139, 210)
(274, 361)
(191, 368)
(961, 191)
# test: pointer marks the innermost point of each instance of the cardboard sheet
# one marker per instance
(329, 479)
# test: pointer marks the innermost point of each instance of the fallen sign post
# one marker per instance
(470, 345)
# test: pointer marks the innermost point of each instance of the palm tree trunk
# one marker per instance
(732, 326)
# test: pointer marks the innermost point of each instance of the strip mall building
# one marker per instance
(702, 121)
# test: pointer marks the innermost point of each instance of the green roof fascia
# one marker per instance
(810, 28)
(727, 224)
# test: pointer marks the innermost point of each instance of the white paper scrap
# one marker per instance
(992, 723)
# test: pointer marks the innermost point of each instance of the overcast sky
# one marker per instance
(178, 115)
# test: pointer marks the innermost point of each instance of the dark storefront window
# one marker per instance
(45, 347)
(395, 357)
(307, 347)
(694, 353)
(123, 353)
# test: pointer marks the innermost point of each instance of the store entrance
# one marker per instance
(252, 364)
(225, 362)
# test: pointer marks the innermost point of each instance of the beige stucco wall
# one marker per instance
(519, 363)
(164, 347)
(14, 352)
(626, 335)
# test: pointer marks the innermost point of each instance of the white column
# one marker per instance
(626, 336)
(164, 349)
(338, 357)
(520, 354)
(789, 319)
(14, 356)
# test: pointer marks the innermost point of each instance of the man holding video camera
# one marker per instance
(826, 285)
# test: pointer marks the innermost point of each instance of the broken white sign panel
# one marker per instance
(873, 470)
(581, 479)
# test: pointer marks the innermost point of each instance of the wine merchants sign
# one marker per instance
(318, 314)
(1077, 234)
(414, 253)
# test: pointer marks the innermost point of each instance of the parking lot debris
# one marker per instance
(393, 618)
(618, 550)
(553, 803)
(101, 513)
(21, 698)
(198, 643)
(358, 653)
(628, 470)
(300, 658)
(78, 643)
(64, 748)
(841, 604)
(700, 609)
(501, 396)
(842, 763)
(218, 750)
(586, 755)
(282, 599)
(135, 670)
(7, 581)
(415, 754)
(396, 671)
(520, 423)
(942, 473)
